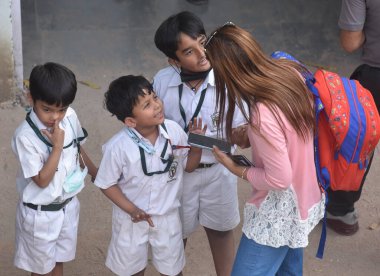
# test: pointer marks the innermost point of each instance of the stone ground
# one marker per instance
(101, 40)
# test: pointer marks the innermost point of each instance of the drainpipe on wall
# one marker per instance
(11, 64)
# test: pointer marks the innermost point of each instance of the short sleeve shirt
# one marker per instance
(32, 154)
(121, 165)
(357, 15)
(166, 85)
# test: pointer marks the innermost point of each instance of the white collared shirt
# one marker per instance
(121, 165)
(32, 154)
(166, 85)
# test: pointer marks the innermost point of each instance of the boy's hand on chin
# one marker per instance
(56, 135)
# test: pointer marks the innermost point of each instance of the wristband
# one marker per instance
(243, 172)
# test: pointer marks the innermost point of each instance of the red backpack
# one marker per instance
(348, 130)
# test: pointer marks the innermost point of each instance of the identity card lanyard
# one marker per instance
(183, 114)
(47, 143)
(144, 147)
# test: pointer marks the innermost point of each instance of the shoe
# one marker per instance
(342, 228)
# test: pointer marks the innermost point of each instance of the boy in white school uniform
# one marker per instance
(141, 173)
(187, 89)
(47, 145)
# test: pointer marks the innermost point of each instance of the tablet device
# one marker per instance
(207, 142)
(241, 160)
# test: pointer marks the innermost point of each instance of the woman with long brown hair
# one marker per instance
(286, 202)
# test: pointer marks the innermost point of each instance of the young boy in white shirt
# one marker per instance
(141, 173)
(187, 88)
(47, 145)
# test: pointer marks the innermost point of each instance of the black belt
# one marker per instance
(205, 166)
(50, 207)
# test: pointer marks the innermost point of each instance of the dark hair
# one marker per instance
(167, 35)
(53, 83)
(123, 94)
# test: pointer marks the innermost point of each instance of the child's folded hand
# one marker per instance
(139, 215)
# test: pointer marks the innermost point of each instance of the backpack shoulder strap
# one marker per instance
(310, 83)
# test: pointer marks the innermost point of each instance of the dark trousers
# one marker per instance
(341, 202)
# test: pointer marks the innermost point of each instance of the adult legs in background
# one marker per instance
(341, 213)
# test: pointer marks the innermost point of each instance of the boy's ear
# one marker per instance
(29, 98)
(130, 122)
(174, 62)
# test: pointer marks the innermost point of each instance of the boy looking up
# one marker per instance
(141, 173)
(187, 88)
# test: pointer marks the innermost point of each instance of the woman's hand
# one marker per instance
(223, 158)
(240, 136)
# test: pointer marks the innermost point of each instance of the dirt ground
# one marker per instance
(102, 40)
(356, 255)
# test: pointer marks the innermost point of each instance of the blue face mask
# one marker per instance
(75, 180)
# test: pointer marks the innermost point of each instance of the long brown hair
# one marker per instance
(250, 77)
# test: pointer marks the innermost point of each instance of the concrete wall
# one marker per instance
(11, 65)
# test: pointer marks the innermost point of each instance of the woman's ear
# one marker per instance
(130, 122)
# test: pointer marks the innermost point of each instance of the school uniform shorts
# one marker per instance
(209, 199)
(45, 237)
(130, 242)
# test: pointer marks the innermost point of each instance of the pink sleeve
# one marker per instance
(273, 169)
